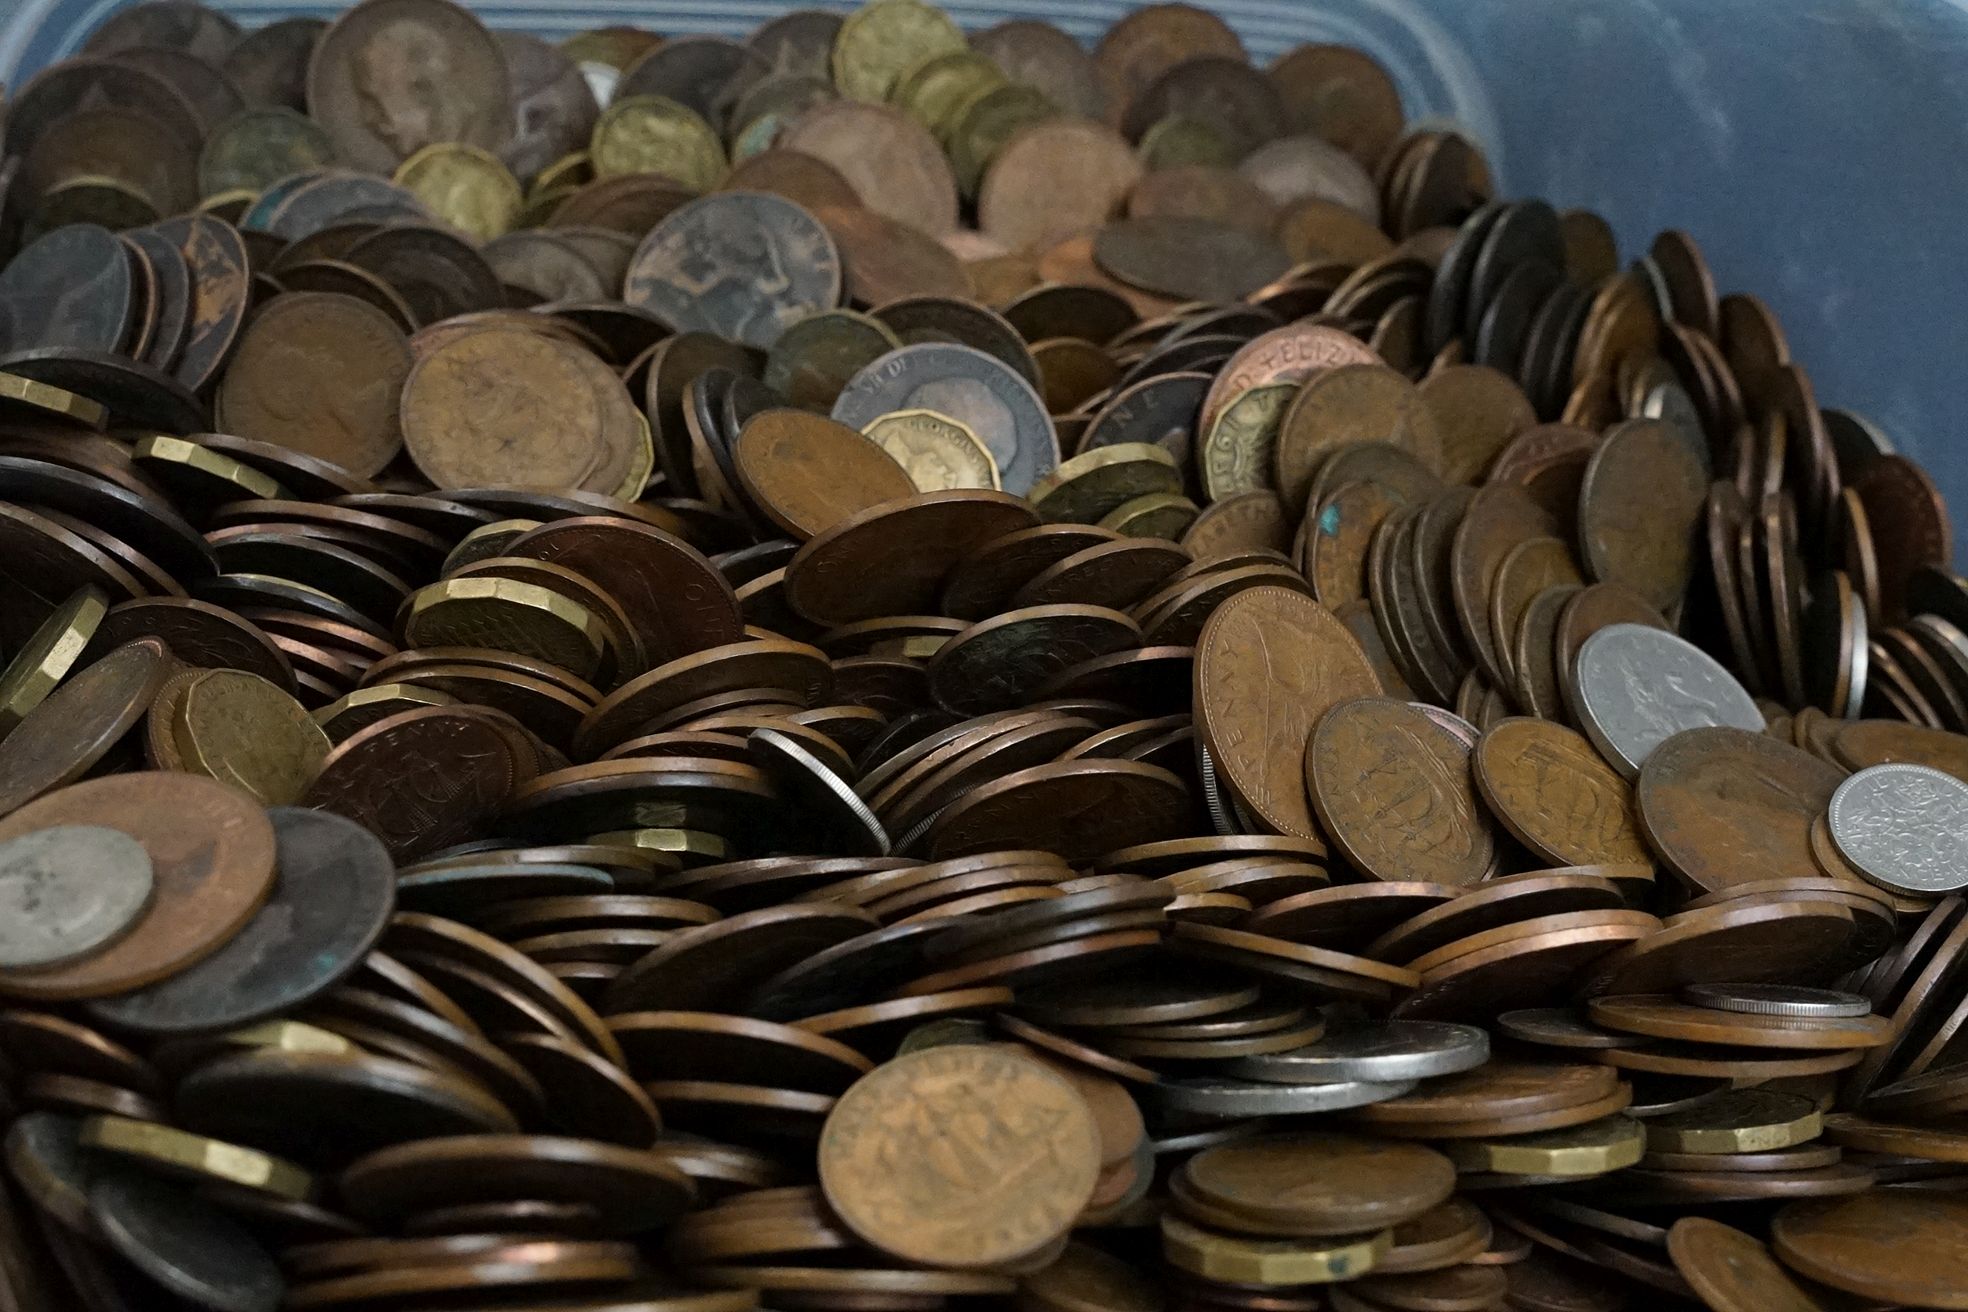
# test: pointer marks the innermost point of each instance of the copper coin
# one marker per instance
(1549, 787)
(1890, 1245)
(204, 892)
(320, 373)
(1645, 541)
(808, 473)
(1250, 643)
(1750, 799)
(419, 780)
(866, 1157)
(80, 722)
(1397, 760)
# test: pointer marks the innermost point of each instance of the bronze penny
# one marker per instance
(865, 1155)
(1890, 1244)
(419, 780)
(362, 85)
(1412, 766)
(212, 852)
(1285, 355)
(1349, 402)
(1753, 941)
(1642, 497)
(1549, 787)
(808, 473)
(890, 161)
(319, 373)
(80, 722)
(1251, 642)
(674, 597)
(832, 579)
(1723, 805)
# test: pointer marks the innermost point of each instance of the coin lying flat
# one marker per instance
(71, 889)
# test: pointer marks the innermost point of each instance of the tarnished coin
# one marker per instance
(976, 389)
(393, 76)
(1726, 806)
(476, 412)
(253, 150)
(320, 373)
(1733, 1272)
(744, 265)
(334, 891)
(1371, 759)
(242, 730)
(465, 186)
(1636, 686)
(72, 287)
(1320, 1184)
(1553, 792)
(1034, 1149)
(808, 473)
(1638, 507)
(39, 667)
(69, 889)
(1905, 827)
(186, 1245)
(1270, 664)
(211, 853)
(939, 453)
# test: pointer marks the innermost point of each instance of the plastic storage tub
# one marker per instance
(1812, 147)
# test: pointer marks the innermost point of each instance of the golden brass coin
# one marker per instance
(31, 399)
(882, 40)
(653, 134)
(40, 666)
(1086, 488)
(506, 615)
(1590, 1149)
(1265, 1262)
(466, 187)
(939, 453)
(196, 1158)
(1237, 452)
(242, 730)
(1740, 1121)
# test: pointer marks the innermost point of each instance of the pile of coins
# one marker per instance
(877, 666)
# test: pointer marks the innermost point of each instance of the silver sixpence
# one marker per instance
(965, 384)
(185, 1244)
(742, 264)
(68, 890)
(1211, 1096)
(1904, 827)
(1636, 686)
(1776, 1000)
(1383, 1053)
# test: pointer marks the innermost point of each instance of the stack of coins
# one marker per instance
(878, 667)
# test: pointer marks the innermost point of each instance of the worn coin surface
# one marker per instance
(745, 265)
(70, 889)
(967, 385)
(1028, 1158)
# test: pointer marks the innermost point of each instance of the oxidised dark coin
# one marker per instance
(1193, 259)
(72, 288)
(744, 265)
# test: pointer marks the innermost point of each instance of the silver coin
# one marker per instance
(969, 386)
(1207, 1096)
(185, 1244)
(1904, 827)
(1636, 686)
(1389, 1051)
(810, 784)
(741, 264)
(1776, 1000)
(68, 890)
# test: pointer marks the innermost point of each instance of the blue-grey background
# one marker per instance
(1817, 149)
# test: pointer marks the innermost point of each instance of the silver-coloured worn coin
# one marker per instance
(1207, 1096)
(1776, 1000)
(1636, 686)
(963, 383)
(185, 1244)
(741, 264)
(68, 890)
(1904, 827)
(1384, 1053)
